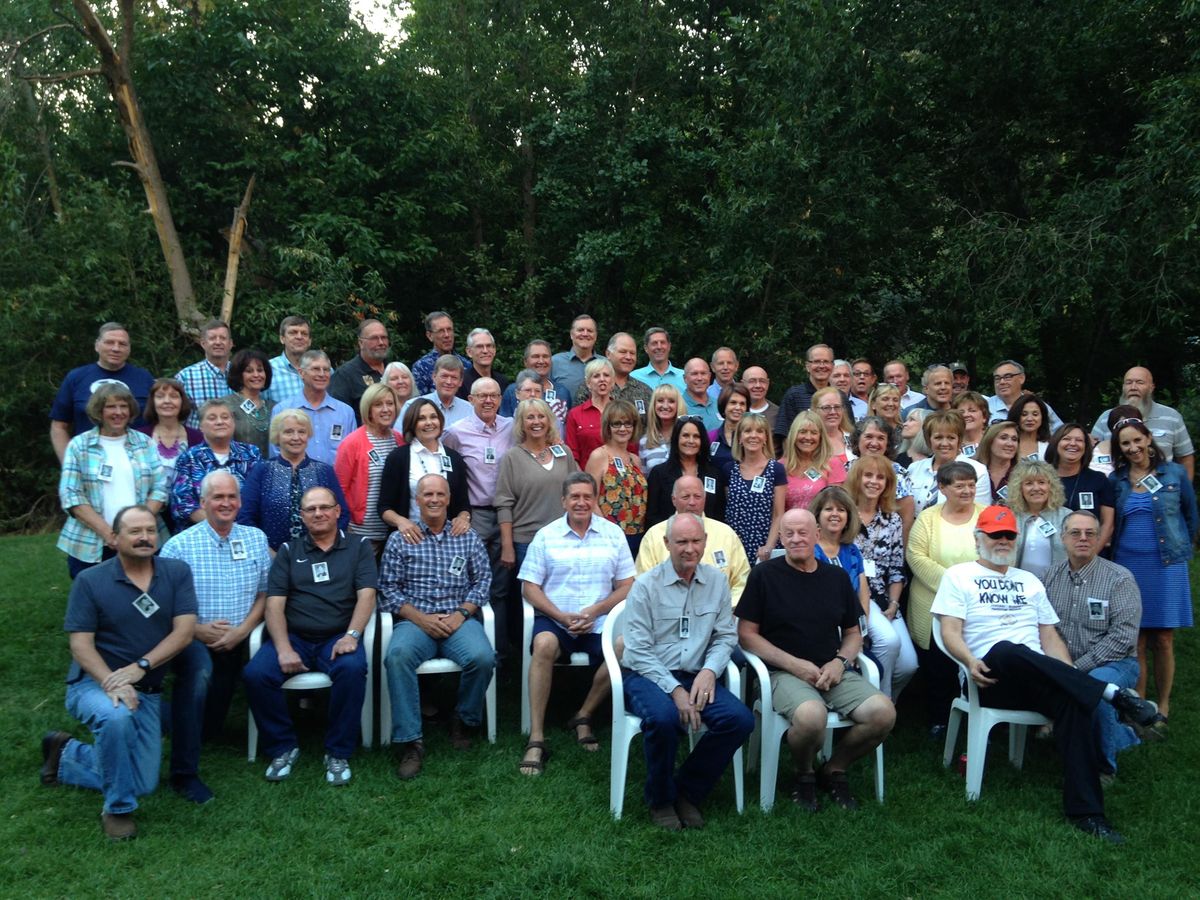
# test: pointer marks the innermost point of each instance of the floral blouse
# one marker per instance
(882, 541)
(623, 496)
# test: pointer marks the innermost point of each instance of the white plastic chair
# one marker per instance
(576, 659)
(771, 727)
(626, 726)
(436, 666)
(312, 681)
(981, 720)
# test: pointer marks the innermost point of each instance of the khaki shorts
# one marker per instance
(788, 692)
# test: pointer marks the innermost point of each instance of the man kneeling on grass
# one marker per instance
(679, 634)
(790, 615)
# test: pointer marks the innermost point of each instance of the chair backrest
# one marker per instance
(963, 674)
(613, 628)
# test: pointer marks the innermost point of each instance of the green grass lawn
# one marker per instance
(472, 826)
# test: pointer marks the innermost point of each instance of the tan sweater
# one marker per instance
(529, 496)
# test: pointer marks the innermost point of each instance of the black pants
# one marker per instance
(1031, 680)
(940, 673)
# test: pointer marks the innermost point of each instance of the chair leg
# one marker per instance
(251, 736)
(755, 741)
(490, 703)
(618, 768)
(1016, 744)
(977, 735)
(879, 773)
(768, 767)
(739, 781)
(952, 726)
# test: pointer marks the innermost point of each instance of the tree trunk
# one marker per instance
(236, 235)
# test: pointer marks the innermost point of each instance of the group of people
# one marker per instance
(285, 493)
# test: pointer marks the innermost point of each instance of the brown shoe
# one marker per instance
(411, 756)
(688, 812)
(118, 826)
(666, 817)
(460, 734)
(52, 749)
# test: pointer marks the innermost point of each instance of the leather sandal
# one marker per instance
(588, 741)
(533, 767)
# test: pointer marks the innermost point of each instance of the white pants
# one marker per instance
(892, 646)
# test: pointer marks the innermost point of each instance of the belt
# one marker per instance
(489, 508)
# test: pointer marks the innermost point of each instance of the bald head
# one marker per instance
(757, 383)
(687, 496)
(1137, 389)
(798, 534)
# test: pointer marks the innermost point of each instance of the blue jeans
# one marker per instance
(1113, 735)
(727, 719)
(410, 647)
(204, 686)
(264, 689)
(123, 761)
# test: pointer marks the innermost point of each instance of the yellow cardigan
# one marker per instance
(926, 559)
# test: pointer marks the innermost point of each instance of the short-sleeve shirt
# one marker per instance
(321, 601)
(800, 612)
(70, 404)
(126, 621)
(994, 606)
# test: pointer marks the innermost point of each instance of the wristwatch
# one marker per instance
(144, 664)
(354, 633)
(846, 667)
(466, 613)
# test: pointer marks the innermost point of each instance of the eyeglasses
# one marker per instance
(616, 425)
(323, 508)
(1090, 534)
(837, 408)
(1009, 376)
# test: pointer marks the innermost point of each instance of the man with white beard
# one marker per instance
(997, 621)
(1165, 424)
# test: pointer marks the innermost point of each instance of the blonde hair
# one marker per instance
(282, 416)
(1034, 468)
(654, 437)
(371, 395)
(749, 420)
(820, 458)
(884, 387)
(552, 435)
(846, 425)
(881, 465)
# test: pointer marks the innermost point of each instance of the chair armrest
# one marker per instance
(256, 638)
(608, 638)
(526, 623)
(870, 671)
(489, 624)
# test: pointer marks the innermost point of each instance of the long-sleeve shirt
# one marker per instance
(438, 575)
(722, 549)
(482, 447)
(196, 462)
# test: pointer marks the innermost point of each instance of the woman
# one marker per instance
(827, 404)
(217, 450)
(943, 431)
(943, 536)
(666, 406)
(806, 460)
(272, 492)
(688, 456)
(249, 378)
(873, 437)
(871, 484)
(167, 407)
(1032, 419)
(422, 454)
(756, 489)
(583, 421)
(912, 440)
(529, 483)
(973, 408)
(1102, 453)
(361, 458)
(529, 385)
(998, 453)
(104, 470)
(1036, 496)
(1070, 452)
(837, 525)
(1155, 525)
(732, 403)
(884, 402)
(618, 474)
(399, 378)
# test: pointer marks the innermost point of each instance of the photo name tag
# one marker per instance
(373, 455)
(558, 451)
(335, 432)
(710, 484)
(145, 604)
(489, 455)
(247, 406)
(1003, 493)
(237, 549)
(458, 565)
(1033, 457)
(550, 396)
(641, 406)
(368, 380)
(713, 448)
(447, 463)
(106, 472)
(869, 568)
(685, 627)
(618, 464)
(1104, 460)
(1087, 500)
(1047, 528)
(719, 559)
(1097, 609)
(969, 450)
(320, 572)
(813, 475)
(758, 485)
(1151, 484)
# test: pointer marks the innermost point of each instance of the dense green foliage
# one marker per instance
(926, 179)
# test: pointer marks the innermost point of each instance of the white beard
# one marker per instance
(996, 558)
(1142, 404)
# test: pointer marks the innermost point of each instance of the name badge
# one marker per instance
(869, 568)
(969, 450)
(373, 455)
(550, 395)
(489, 455)
(1003, 493)
(237, 549)
(758, 485)
(641, 406)
(719, 559)
(1032, 457)
(368, 380)
(618, 464)
(320, 572)
(1104, 460)
(447, 463)
(813, 475)
(145, 604)
(458, 565)
(1158, 432)
(713, 448)
(335, 432)
(1047, 528)
(685, 627)
(558, 451)
(1097, 609)
(105, 472)
(710, 484)
(1151, 484)
(1087, 500)
(247, 406)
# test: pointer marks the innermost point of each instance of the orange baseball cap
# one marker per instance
(997, 519)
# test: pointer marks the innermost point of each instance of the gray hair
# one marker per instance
(448, 361)
(474, 333)
(206, 482)
(434, 316)
(695, 518)
(311, 356)
(931, 370)
(1009, 362)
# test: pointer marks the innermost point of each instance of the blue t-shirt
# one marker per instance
(849, 558)
(70, 404)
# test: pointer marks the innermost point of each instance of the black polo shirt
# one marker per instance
(351, 381)
(321, 586)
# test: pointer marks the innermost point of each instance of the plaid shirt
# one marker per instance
(422, 370)
(1095, 636)
(80, 485)
(196, 462)
(226, 588)
(202, 381)
(420, 574)
(285, 381)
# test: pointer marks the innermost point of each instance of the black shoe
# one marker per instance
(52, 748)
(1134, 710)
(804, 793)
(190, 787)
(1097, 826)
(410, 757)
(838, 787)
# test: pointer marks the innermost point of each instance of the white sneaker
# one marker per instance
(281, 766)
(337, 771)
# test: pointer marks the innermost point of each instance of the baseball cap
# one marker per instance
(997, 519)
(959, 366)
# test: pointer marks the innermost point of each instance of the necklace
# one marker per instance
(540, 457)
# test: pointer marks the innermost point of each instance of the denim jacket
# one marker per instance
(1175, 515)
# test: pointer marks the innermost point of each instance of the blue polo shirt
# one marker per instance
(70, 404)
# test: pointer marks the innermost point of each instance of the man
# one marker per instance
(723, 548)
(840, 378)
(962, 378)
(295, 334)
(68, 414)
(567, 366)
(1099, 609)
(229, 564)
(997, 622)
(482, 439)
(127, 618)
(432, 589)
(938, 384)
(481, 350)
(699, 402)
(332, 420)
(577, 568)
(659, 370)
(725, 367)
(1165, 424)
(218, 452)
(862, 382)
(1009, 379)
(790, 615)
(439, 329)
(537, 358)
(205, 380)
(320, 596)
(447, 376)
(896, 372)
(818, 362)
(758, 383)
(357, 374)
(679, 634)
(622, 353)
